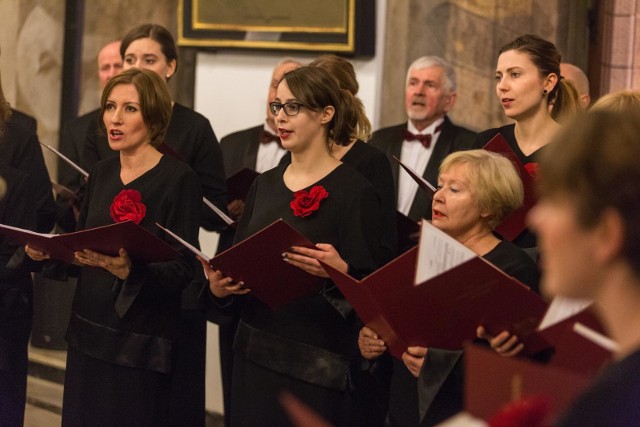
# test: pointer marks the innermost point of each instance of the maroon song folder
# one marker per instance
(572, 351)
(515, 223)
(493, 381)
(425, 185)
(443, 311)
(139, 243)
(257, 261)
(408, 231)
(239, 183)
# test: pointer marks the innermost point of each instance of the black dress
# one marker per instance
(28, 204)
(612, 400)
(308, 347)
(526, 239)
(431, 399)
(122, 335)
(16, 298)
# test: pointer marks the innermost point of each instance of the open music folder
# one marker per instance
(239, 183)
(437, 294)
(493, 381)
(515, 223)
(139, 243)
(257, 261)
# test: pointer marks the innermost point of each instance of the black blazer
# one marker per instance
(452, 138)
(24, 120)
(240, 149)
(72, 144)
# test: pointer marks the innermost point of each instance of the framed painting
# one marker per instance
(338, 26)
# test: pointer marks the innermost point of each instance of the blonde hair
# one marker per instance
(624, 100)
(494, 181)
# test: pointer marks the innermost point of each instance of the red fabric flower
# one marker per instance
(305, 203)
(525, 412)
(127, 205)
(532, 168)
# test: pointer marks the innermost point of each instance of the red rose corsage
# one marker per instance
(525, 412)
(127, 205)
(304, 202)
(532, 168)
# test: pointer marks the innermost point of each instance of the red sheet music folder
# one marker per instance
(257, 261)
(139, 243)
(239, 183)
(425, 185)
(515, 223)
(573, 351)
(493, 381)
(443, 311)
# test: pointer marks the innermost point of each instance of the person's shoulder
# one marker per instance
(458, 133)
(240, 135)
(611, 399)
(24, 120)
(351, 177)
(188, 116)
(486, 135)
(388, 130)
(82, 122)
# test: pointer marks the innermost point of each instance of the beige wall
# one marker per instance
(31, 62)
(620, 67)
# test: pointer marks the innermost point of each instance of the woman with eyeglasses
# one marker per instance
(308, 346)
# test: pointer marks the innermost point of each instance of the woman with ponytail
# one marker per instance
(528, 82)
(308, 346)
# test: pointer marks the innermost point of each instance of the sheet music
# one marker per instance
(438, 252)
(66, 159)
(226, 218)
(562, 308)
(185, 243)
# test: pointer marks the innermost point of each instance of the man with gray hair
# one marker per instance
(428, 136)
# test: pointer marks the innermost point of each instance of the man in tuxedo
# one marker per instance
(257, 148)
(428, 137)
(74, 132)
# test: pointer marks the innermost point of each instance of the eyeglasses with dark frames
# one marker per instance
(290, 108)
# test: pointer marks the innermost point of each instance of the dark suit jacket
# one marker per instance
(452, 138)
(240, 149)
(71, 145)
(24, 120)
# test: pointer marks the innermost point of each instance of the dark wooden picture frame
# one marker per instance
(338, 26)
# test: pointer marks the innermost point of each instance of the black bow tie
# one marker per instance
(267, 137)
(425, 140)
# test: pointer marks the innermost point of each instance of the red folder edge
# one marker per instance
(512, 226)
(107, 240)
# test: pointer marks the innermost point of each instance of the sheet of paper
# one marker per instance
(562, 308)
(438, 252)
